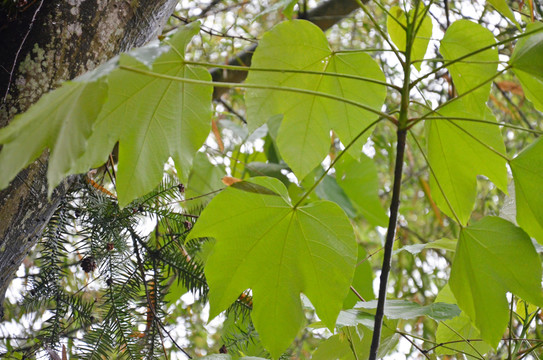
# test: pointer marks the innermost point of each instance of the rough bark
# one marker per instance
(42, 45)
(324, 16)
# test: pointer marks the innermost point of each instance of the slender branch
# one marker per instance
(357, 294)
(261, 87)
(389, 242)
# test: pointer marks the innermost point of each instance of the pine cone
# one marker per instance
(88, 264)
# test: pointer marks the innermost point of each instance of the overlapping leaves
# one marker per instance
(151, 118)
(464, 143)
(304, 135)
(492, 257)
(278, 251)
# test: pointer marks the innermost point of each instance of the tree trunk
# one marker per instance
(43, 43)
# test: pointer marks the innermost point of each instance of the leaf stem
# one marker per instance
(287, 71)
(334, 162)
(256, 86)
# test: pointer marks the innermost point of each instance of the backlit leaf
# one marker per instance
(62, 121)
(153, 119)
(527, 63)
(278, 251)
(504, 9)
(304, 135)
(527, 170)
(464, 38)
(458, 151)
(398, 34)
(494, 256)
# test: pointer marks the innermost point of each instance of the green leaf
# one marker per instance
(457, 155)
(397, 32)
(304, 135)
(462, 38)
(62, 121)
(504, 9)
(278, 251)
(329, 190)
(401, 309)
(258, 168)
(494, 256)
(360, 182)
(362, 281)
(451, 333)
(204, 181)
(528, 53)
(527, 170)
(153, 119)
(526, 62)
(358, 339)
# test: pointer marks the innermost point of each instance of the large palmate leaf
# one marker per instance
(463, 39)
(152, 119)
(452, 333)
(458, 151)
(494, 256)
(278, 251)
(204, 181)
(527, 63)
(396, 30)
(304, 136)
(62, 121)
(527, 170)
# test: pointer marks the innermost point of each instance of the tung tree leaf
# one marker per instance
(278, 251)
(494, 256)
(62, 121)
(304, 135)
(153, 119)
(398, 34)
(504, 9)
(458, 151)
(462, 38)
(362, 281)
(527, 170)
(527, 63)
(459, 328)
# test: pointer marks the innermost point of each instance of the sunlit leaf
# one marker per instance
(527, 170)
(458, 151)
(504, 9)
(278, 251)
(494, 256)
(304, 135)
(463, 39)
(398, 34)
(153, 119)
(526, 61)
(62, 121)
